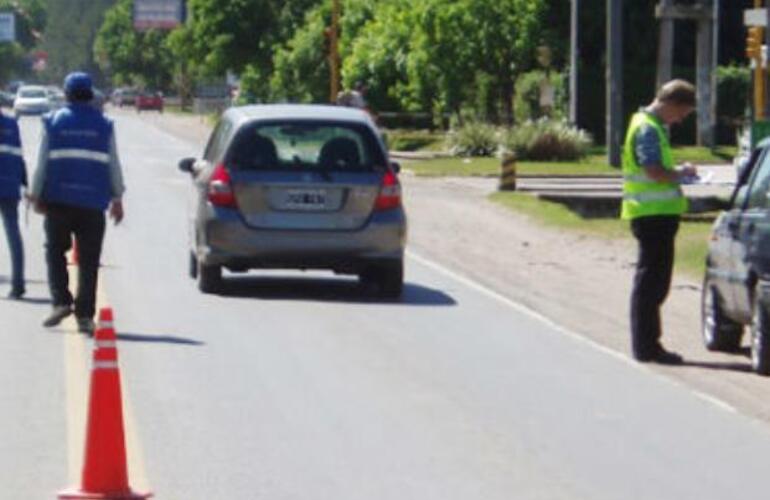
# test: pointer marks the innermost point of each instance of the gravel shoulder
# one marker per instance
(580, 282)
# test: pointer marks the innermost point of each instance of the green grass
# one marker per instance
(594, 164)
(490, 167)
(691, 242)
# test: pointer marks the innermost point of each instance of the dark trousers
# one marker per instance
(652, 280)
(62, 223)
(9, 209)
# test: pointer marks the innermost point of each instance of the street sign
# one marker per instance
(7, 27)
(755, 17)
(158, 14)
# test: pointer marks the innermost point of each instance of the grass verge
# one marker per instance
(594, 164)
(691, 242)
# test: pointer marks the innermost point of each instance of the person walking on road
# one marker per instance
(653, 203)
(78, 177)
(13, 175)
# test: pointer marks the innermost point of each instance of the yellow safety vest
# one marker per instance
(643, 196)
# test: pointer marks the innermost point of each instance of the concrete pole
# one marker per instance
(704, 76)
(665, 47)
(614, 81)
(573, 63)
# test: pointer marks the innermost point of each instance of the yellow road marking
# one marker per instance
(78, 376)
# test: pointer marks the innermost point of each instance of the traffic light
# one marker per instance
(754, 41)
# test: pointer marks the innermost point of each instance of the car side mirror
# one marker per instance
(186, 165)
(395, 166)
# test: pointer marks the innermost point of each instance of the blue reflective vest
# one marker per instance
(78, 168)
(11, 160)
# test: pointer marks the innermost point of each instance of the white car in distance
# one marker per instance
(31, 100)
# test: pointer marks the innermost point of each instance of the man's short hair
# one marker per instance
(677, 92)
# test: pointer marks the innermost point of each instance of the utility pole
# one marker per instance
(665, 47)
(573, 63)
(334, 53)
(614, 81)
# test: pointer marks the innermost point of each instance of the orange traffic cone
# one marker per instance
(74, 255)
(105, 470)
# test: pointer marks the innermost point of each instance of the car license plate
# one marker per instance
(305, 199)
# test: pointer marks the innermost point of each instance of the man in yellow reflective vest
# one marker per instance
(653, 203)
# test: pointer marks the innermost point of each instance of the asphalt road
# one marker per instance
(293, 386)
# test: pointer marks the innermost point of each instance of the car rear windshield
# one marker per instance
(32, 93)
(306, 146)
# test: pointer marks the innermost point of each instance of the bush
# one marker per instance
(473, 138)
(413, 140)
(547, 140)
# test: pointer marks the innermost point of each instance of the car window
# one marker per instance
(306, 146)
(760, 183)
(32, 93)
(216, 141)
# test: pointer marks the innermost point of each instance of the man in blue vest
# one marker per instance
(13, 175)
(78, 177)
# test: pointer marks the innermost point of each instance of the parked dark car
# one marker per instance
(736, 286)
(296, 187)
(149, 100)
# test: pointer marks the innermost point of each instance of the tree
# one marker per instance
(129, 56)
(30, 19)
(69, 36)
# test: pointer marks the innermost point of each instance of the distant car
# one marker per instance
(736, 285)
(149, 100)
(124, 97)
(31, 100)
(98, 100)
(297, 187)
(56, 97)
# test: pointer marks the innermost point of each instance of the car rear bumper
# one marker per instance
(228, 242)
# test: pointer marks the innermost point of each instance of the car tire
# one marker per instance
(209, 278)
(193, 267)
(387, 277)
(719, 332)
(760, 337)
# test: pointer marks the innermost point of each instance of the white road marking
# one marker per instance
(521, 308)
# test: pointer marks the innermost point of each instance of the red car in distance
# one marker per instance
(149, 100)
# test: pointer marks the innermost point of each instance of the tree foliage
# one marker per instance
(70, 33)
(30, 21)
(129, 56)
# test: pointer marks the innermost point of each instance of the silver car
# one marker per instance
(296, 187)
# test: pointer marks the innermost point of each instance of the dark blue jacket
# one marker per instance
(78, 171)
(13, 174)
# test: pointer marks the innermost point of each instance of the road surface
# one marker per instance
(294, 386)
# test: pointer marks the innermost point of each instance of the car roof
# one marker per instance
(32, 87)
(269, 112)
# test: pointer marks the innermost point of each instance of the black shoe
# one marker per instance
(57, 315)
(16, 293)
(86, 325)
(665, 357)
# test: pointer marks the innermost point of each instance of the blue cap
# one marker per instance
(77, 81)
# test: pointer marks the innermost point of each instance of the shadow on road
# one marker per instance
(329, 290)
(728, 366)
(30, 300)
(161, 339)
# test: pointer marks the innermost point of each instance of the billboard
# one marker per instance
(7, 27)
(158, 14)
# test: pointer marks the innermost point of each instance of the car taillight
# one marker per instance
(390, 192)
(220, 192)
